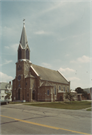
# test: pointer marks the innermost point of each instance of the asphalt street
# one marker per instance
(23, 119)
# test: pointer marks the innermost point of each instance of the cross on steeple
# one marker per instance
(23, 21)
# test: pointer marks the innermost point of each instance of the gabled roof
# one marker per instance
(23, 39)
(4, 85)
(49, 74)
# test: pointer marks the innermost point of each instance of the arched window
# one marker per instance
(47, 92)
(19, 94)
(27, 54)
(19, 54)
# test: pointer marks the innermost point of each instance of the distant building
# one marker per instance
(4, 89)
(89, 92)
(33, 82)
(74, 93)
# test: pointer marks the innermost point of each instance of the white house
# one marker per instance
(4, 89)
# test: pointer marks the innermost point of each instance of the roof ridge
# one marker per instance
(62, 75)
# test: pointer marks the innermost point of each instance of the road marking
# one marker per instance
(47, 126)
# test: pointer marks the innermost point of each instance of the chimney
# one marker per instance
(10, 82)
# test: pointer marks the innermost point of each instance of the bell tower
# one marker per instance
(22, 81)
(23, 55)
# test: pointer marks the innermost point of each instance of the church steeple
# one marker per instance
(23, 49)
(23, 39)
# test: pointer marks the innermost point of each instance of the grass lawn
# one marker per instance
(74, 105)
(18, 102)
(88, 109)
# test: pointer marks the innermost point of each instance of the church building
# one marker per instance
(33, 82)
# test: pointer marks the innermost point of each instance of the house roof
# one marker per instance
(4, 85)
(49, 74)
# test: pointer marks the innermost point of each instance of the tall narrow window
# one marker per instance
(64, 88)
(59, 87)
(19, 94)
(27, 54)
(19, 54)
(55, 90)
(68, 89)
(47, 92)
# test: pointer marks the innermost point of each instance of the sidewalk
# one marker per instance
(50, 111)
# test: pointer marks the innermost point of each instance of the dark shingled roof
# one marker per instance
(49, 74)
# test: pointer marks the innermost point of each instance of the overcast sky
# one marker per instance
(58, 34)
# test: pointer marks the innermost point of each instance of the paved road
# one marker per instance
(23, 119)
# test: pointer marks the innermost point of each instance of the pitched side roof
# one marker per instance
(4, 85)
(23, 39)
(49, 74)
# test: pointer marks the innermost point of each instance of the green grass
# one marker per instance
(88, 109)
(74, 105)
(18, 102)
(15, 102)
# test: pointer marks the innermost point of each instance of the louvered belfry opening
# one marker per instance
(19, 54)
(27, 54)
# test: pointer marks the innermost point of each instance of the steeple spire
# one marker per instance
(23, 49)
(23, 39)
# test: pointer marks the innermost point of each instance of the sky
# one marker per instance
(58, 33)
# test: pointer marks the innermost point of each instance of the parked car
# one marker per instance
(4, 102)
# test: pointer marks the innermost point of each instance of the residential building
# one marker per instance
(4, 89)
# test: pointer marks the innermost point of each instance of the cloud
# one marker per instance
(66, 70)
(83, 59)
(46, 65)
(73, 78)
(7, 30)
(69, 74)
(13, 47)
(75, 36)
(55, 6)
(41, 32)
(6, 62)
(75, 82)
(5, 77)
(6, 47)
(67, 55)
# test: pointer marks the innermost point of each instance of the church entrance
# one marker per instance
(33, 95)
(19, 94)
